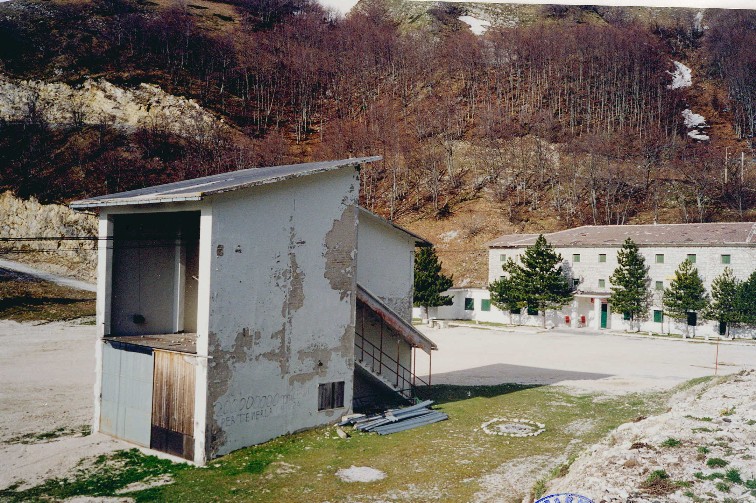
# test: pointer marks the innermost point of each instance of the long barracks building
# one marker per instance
(589, 256)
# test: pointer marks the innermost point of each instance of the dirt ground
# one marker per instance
(47, 376)
(589, 361)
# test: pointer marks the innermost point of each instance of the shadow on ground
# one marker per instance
(8, 275)
(493, 375)
(446, 393)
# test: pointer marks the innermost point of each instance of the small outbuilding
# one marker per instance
(229, 310)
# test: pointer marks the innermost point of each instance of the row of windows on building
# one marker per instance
(485, 305)
(658, 258)
(658, 285)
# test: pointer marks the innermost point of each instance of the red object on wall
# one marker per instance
(582, 319)
(567, 319)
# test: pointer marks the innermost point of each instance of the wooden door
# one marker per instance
(173, 404)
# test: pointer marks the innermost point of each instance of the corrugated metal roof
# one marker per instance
(396, 322)
(706, 234)
(196, 189)
(419, 241)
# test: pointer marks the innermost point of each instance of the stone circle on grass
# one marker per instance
(513, 427)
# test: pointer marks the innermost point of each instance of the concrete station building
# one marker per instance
(589, 256)
(238, 307)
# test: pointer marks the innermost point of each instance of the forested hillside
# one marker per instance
(554, 117)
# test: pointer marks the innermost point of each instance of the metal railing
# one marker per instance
(404, 380)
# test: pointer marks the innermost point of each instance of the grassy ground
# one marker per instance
(440, 462)
(25, 298)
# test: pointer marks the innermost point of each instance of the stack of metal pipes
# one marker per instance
(395, 420)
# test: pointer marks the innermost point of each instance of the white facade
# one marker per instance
(590, 257)
(282, 300)
(474, 304)
(596, 265)
(386, 253)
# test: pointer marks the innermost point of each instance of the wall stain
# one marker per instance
(280, 355)
(340, 245)
(295, 295)
(220, 368)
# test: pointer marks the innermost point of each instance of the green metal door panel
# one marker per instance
(126, 396)
(604, 314)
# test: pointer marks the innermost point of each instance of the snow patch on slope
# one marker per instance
(698, 21)
(697, 135)
(681, 77)
(693, 120)
(449, 236)
(477, 26)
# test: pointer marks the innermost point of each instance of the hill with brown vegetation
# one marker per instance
(556, 116)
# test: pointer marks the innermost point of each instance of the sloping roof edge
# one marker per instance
(406, 330)
(419, 241)
(506, 240)
(644, 235)
(196, 189)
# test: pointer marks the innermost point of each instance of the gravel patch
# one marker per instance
(360, 474)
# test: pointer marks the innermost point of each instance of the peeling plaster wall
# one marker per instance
(385, 265)
(282, 304)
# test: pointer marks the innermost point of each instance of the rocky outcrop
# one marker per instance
(101, 102)
(703, 449)
(27, 223)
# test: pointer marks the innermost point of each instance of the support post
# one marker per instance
(179, 283)
(362, 336)
(398, 343)
(597, 313)
(430, 366)
(380, 351)
(414, 365)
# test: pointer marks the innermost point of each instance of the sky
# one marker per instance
(344, 5)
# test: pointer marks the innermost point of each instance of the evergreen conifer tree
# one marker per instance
(724, 299)
(539, 281)
(429, 281)
(746, 300)
(630, 282)
(504, 291)
(686, 293)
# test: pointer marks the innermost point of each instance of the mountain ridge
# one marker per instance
(556, 116)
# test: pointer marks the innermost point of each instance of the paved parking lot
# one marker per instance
(588, 360)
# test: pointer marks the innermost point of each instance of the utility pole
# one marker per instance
(725, 166)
